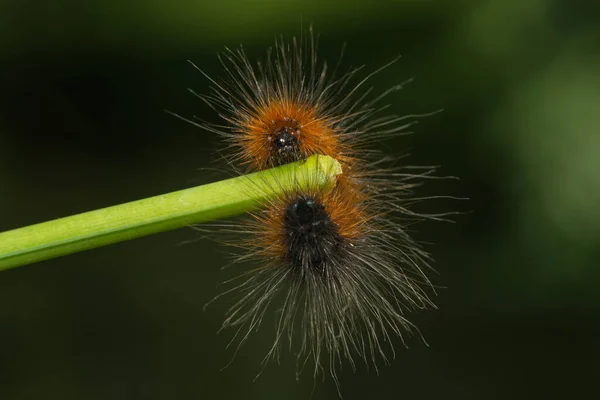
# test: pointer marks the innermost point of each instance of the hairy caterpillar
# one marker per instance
(340, 259)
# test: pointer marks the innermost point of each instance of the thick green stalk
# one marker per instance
(160, 213)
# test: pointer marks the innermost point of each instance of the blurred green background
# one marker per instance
(83, 88)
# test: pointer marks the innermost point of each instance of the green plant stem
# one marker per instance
(144, 217)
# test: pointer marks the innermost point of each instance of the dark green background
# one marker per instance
(83, 86)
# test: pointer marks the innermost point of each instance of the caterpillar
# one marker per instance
(337, 265)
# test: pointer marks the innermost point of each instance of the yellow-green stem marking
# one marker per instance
(174, 210)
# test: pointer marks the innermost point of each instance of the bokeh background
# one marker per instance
(83, 86)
